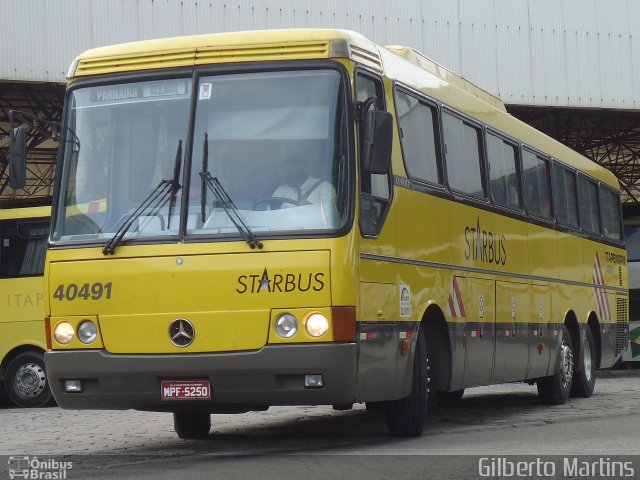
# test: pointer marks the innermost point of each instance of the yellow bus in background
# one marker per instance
(303, 217)
(23, 237)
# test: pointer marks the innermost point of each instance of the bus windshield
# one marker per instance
(275, 142)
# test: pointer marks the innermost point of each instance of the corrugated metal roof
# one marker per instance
(577, 53)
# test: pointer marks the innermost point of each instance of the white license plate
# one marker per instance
(185, 390)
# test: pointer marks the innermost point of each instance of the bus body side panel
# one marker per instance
(424, 245)
(606, 275)
(21, 314)
(513, 302)
(379, 315)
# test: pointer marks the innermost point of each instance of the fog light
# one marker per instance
(63, 333)
(73, 386)
(87, 331)
(313, 381)
(286, 325)
(316, 324)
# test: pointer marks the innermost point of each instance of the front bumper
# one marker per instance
(240, 381)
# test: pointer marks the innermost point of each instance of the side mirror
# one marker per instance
(18, 157)
(378, 137)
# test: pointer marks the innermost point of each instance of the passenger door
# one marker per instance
(378, 292)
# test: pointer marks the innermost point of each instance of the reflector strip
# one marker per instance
(600, 294)
(47, 329)
(456, 305)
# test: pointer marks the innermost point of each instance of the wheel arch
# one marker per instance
(436, 331)
(14, 352)
(594, 324)
(571, 322)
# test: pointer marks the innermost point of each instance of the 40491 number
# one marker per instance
(87, 291)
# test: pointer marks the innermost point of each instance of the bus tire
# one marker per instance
(584, 381)
(191, 424)
(26, 381)
(454, 396)
(555, 389)
(406, 417)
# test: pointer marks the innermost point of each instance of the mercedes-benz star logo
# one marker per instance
(181, 332)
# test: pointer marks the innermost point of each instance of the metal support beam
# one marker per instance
(608, 137)
(45, 101)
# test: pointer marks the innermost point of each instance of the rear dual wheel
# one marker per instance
(584, 381)
(555, 389)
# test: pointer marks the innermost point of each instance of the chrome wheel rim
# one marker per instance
(566, 364)
(587, 363)
(30, 380)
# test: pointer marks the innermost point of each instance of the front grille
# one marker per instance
(366, 57)
(262, 52)
(622, 324)
(189, 56)
(136, 61)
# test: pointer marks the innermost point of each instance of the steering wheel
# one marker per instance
(276, 203)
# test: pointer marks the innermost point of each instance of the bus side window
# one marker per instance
(536, 185)
(375, 188)
(418, 126)
(611, 220)
(565, 196)
(22, 248)
(502, 158)
(589, 210)
(463, 155)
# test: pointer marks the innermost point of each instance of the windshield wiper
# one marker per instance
(213, 184)
(175, 186)
(158, 195)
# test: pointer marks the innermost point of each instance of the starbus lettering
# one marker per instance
(280, 282)
(485, 246)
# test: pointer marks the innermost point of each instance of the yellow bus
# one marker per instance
(23, 237)
(303, 217)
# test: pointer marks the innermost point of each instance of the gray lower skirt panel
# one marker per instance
(273, 375)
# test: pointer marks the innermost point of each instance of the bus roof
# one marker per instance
(247, 46)
(400, 63)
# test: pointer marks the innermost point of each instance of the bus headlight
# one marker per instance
(316, 324)
(63, 333)
(87, 331)
(286, 325)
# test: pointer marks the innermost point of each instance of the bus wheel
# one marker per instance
(585, 380)
(406, 417)
(191, 424)
(26, 381)
(454, 396)
(555, 390)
